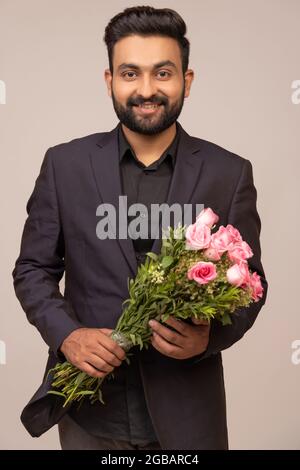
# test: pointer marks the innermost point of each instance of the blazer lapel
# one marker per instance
(106, 168)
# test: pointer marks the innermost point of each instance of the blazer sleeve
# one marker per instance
(40, 265)
(244, 216)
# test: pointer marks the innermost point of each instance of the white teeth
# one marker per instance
(149, 106)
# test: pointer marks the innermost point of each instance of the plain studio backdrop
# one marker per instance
(245, 54)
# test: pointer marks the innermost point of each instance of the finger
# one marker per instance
(199, 321)
(164, 332)
(161, 345)
(99, 363)
(91, 371)
(177, 324)
(106, 331)
(106, 356)
(111, 346)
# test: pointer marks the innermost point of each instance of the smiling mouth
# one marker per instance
(147, 109)
(147, 106)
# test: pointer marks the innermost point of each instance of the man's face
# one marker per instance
(147, 86)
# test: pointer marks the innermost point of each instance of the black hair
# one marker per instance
(147, 21)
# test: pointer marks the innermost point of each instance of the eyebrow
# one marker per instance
(155, 66)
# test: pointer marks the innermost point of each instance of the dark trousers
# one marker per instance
(73, 437)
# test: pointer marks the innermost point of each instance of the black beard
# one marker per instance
(168, 115)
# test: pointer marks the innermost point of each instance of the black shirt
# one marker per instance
(145, 184)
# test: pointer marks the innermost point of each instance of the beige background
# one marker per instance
(245, 54)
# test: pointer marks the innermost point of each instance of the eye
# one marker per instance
(164, 74)
(129, 75)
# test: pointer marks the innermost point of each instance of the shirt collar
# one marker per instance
(125, 147)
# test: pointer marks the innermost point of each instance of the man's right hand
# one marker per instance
(93, 351)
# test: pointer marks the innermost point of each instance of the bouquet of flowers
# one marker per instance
(198, 273)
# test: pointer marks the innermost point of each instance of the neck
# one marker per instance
(148, 148)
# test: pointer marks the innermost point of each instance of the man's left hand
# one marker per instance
(187, 341)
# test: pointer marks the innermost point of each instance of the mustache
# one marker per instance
(139, 101)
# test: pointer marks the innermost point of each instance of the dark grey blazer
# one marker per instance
(186, 398)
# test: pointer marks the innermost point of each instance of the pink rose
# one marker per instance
(212, 254)
(240, 252)
(238, 275)
(197, 236)
(202, 272)
(235, 234)
(207, 217)
(256, 287)
(222, 240)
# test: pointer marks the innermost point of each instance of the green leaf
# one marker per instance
(140, 342)
(226, 320)
(152, 255)
(166, 243)
(167, 261)
(54, 392)
(80, 377)
(85, 392)
(132, 337)
(100, 397)
(165, 317)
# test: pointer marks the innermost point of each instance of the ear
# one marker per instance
(108, 79)
(188, 78)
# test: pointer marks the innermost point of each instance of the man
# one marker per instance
(172, 395)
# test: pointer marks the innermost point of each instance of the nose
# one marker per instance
(146, 87)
